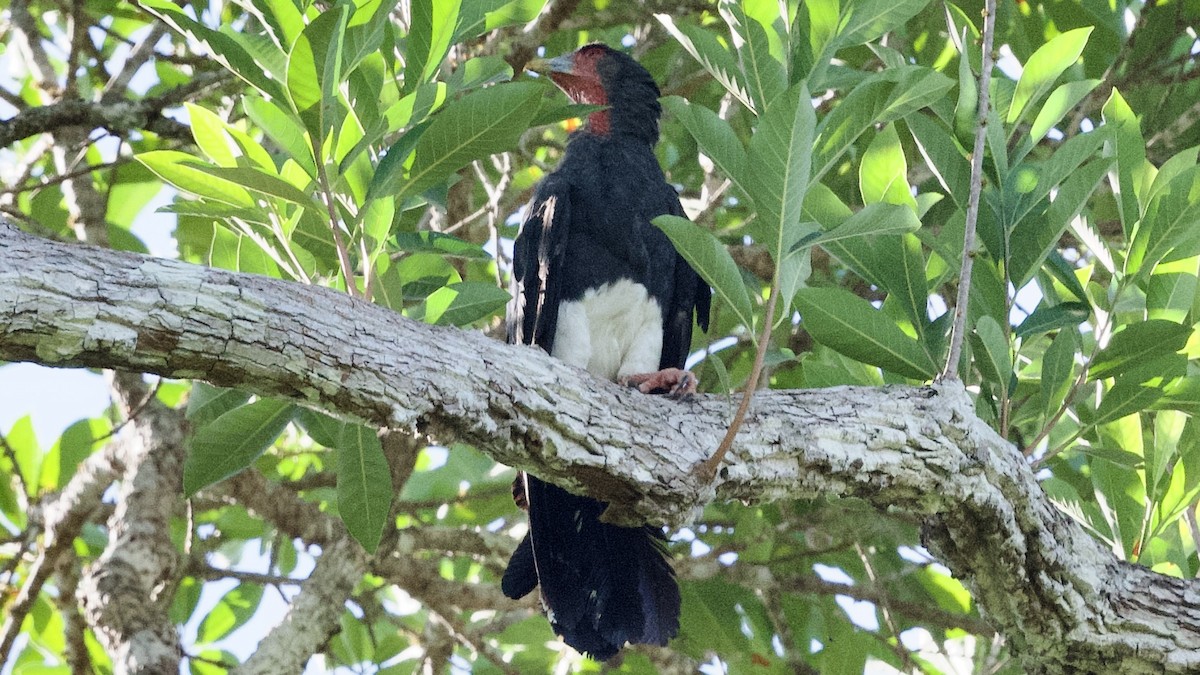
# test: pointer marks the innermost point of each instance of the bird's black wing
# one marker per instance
(537, 265)
(690, 295)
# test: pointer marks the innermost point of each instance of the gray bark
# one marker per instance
(1061, 599)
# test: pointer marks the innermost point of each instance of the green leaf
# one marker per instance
(1045, 319)
(1058, 364)
(1131, 157)
(230, 613)
(187, 173)
(282, 128)
(263, 183)
(765, 75)
(867, 20)
(711, 260)
(233, 441)
(323, 429)
(944, 157)
(1172, 290)
(314, 73)
(463, 303)
(714, 136)
(209, 132)
(883, 172)
(1062, 101)
(206, 402)
(480, 71)
(1043, 68)
(364, 485)
(480, 16)
(1170, 228)
(900, 265)
(1034, 238)
(780, 150)
(842, 126)
(481, 123)
(1125, 398)
(431, 29)
(223, 48)
(993, 356)
(444, 244)
(1137, 343)
(389, 175)
(704, 47)
(872, 219)
(851, 326)
(26, 453)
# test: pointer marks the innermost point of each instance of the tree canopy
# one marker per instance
(307, 459)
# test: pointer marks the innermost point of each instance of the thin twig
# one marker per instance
(708, 469)
(950, 372)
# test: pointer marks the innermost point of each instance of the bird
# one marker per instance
(598, 286)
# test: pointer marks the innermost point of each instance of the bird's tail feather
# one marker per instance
(603, 585)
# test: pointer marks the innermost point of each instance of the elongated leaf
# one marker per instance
(262, 183)
(188, 174)
(1060, 102)
(712, 262)
(206, 402)
(872, 219)
(476, 17)
(1172, 290)
(429, 38)
(1170, 229)
(209, 132)
(1058, 364)
(479, 124)
(714, 136)
(232, 612)
(480, 71)
(869, 19)
(841, 127)
(1138, 342)
(223, 48)
(364, 485)
(282, 128)
(314, 72)
(1043, 68)
(233, 441)
(944, 157)
(781, 152)
(993, 356)
(1131, 158)
(765, 75)
(1035, 237)
(1045, 319)
(1125, 398)
(717, 60)
(900, 265)
(883, 172)
(463, 303)
(851, 326)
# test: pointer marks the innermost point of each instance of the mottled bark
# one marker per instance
(1062, 600)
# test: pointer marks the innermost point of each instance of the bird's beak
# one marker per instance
(558, 64)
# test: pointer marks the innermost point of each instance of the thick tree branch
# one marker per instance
(1061, 599)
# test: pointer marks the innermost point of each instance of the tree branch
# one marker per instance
(1062, 600)
(116, 116)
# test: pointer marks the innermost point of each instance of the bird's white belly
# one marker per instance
(613, 331)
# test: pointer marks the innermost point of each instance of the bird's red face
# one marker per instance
(580, 80)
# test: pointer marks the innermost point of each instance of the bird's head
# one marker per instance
(597, 74)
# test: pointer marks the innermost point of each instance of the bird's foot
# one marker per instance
(674, 382)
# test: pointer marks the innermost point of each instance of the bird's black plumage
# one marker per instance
(588, 229)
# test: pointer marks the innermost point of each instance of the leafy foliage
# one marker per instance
(385, 150)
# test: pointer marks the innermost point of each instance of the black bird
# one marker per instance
(598, 286)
